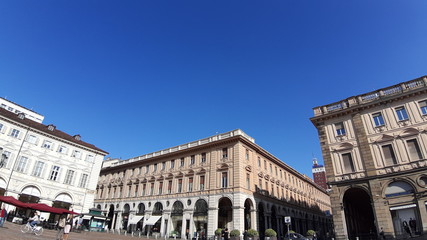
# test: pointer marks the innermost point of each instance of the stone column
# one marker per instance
(184, 227)
(238, 218)
(162, 224)
(253, 219)
(212, 221)
(423, 215)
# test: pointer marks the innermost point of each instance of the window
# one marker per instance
(32, 139)
(22, 163)
(62, 149)
(423, 107)
(401, 113)
(248, 181)
(259, 162)
(202, 182)
(179, 185)
(151, 188)
(347, 160)
(38, 168)
(276, 170)
(77, 154)
(83, 180)
(144, 186)
(339, 127)
(136, 191)
(5, 158)
(265, 165)
(271, 168)
(192, 159)
(190, 184)
(414, 149)
(225, 153)
(47, 144)
(129, 189)
(54, 173)
(90, 158)
(1, 127)
(14, 133)
(224, 180)
(69, 177)
(160, 188)
(389, 156)
(170, 186)
(260, 183)
(147, 168)
(172, 164)
(155, 167)
(378, 119)
(163, 165)
(203, 157)
(182, 162)
(247, 154)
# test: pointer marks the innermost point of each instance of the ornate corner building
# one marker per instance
(41, 164)
(374, 147)
(221, 181)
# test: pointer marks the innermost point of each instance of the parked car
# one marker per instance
(295, 236)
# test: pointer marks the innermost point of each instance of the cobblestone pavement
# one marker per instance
(12, 231)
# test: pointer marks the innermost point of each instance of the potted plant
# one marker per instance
(311, 233)
(218, 233)
(252, 234)
(174, 234)
(235, 234)
(270, 234)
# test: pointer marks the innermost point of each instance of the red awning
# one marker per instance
(13, 201)
(45, 208)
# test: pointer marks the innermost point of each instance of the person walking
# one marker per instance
(406, 227)
(413, 225)
(61, 225)
(68, 225)
(226, 236)
(2, 216)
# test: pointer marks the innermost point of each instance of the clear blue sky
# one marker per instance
(134, 77)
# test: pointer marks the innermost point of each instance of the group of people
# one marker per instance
(411, 227)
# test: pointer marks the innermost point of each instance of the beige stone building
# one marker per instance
(221, 181)
(375, 146)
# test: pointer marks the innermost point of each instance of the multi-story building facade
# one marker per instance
(222, 181)
(319, 174)
(40, 163)
(374, 147)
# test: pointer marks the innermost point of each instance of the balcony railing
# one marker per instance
(371, 96)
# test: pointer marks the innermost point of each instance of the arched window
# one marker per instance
(141, 208)
(201, 208)
(158, 209)
(398, 188)
(177, 208)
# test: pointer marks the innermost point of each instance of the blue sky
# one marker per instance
(134, 77)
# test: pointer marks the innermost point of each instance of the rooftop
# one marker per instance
(378, 95)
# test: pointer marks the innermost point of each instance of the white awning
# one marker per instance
(403, 207)
(87, 217)
(152, 220)
(135, 219)
(100, 218)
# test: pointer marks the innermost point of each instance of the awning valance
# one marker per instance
(152, 220)
(403, 207)
(135, 219)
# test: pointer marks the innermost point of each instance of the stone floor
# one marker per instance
(12, 231)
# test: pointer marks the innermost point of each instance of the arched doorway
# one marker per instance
(30, 194)
(141, 211)
(261, 220)
(200, 217)
(110, 216)
(225, 213)
(125, 216)
(248, 218)
(176, 217)
(359, 215)
(63, 200)
(407, 211)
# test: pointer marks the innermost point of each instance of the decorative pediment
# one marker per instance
(152, 179)
(201, 171)
(223, 166)
(267, 177)
(384, 138)
(283, 184)
(409, 132)
(260, 174)
(190, 172)
(344, 146)
(248, 168)
(169, 176)
(160, 178)
(180, 174)
(278, 182)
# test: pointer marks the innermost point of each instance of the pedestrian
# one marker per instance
(226, 234)
(61, 225)
(382, 235)
(406, 227)
(2, 216)
(413, 225)
(68, 225)
(245, 235)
